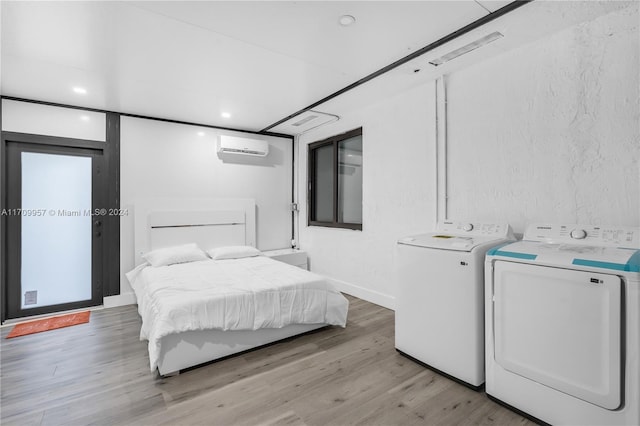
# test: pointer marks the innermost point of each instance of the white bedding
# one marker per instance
(233, 294)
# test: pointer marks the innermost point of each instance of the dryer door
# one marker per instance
(560, 328)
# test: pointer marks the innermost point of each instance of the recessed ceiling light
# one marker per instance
(80, 90)
(200, 133)
(84, 117)
(225, 115)
(346, 20)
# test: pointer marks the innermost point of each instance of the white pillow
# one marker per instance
(176, 254)
(233, 252)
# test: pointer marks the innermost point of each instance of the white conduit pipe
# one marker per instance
(442, 194)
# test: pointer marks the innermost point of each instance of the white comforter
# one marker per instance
(234, 294)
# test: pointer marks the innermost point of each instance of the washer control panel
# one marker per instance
(475, 228)
(610, 236)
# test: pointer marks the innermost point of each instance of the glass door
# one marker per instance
(54, 229)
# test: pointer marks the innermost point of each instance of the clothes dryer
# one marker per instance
(563, 324)
(439, 298)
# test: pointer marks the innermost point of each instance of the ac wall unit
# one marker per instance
(242, 146)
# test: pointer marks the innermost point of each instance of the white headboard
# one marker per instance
(208, 222)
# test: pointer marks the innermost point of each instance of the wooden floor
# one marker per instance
(98, 373)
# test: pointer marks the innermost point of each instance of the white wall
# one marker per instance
(166, 160)
(398, 194)
(26, 117)
(547, 132)
(550, 131)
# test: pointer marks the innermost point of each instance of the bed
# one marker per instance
(200, 309)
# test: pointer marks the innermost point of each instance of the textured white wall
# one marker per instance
(550, 131)
(546, 132)
(165, 160)
(398, 194)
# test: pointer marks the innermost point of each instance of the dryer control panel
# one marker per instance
(475, 229)
(607, 236)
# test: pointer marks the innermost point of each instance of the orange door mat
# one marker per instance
(50, 323)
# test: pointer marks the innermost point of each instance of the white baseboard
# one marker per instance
(372, 296)
(119, 300)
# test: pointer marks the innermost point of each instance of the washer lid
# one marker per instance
(447, 241)
(613, 258)
(461, 236)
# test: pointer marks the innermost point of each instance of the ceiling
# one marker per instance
(257, 61)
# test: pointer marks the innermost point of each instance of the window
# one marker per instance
(335, 181)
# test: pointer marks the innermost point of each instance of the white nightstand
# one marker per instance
(291, 256)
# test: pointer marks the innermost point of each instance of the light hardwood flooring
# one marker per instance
(98, 373)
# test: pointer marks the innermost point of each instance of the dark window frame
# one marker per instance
(311, 169)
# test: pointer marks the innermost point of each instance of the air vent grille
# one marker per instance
(304, 120)
(31, 297)
(466, 48)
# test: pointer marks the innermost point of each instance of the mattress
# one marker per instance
(233, 294)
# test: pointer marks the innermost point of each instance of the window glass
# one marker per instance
(56, 247)
(350, 180)
(323, 201)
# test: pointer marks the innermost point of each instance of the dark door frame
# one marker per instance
(110, 149)
(13, 238)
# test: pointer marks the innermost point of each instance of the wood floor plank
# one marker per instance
(98, 373)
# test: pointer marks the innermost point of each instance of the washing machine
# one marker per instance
(439, 316)
(563, 324)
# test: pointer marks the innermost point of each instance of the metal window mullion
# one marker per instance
(310, 174)
(335, 182)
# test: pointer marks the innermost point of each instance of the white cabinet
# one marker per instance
(291, 256)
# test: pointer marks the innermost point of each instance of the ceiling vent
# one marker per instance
(466, 48)
(304, 122)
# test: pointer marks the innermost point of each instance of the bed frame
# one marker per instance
(210, 223)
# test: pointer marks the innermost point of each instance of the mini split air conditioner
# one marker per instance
(242, 146)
